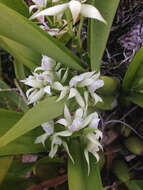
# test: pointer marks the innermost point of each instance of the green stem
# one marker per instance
(49, 21)
(69, 23)
(79, 31)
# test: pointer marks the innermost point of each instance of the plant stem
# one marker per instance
(79, 31)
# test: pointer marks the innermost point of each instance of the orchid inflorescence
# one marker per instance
(51, 79)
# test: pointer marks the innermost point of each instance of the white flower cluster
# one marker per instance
(43, 79)
(50, 80)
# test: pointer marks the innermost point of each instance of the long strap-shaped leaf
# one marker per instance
(17, 5)
(134, 72)
(98, 32)
(22, 145)
(5, 163)
(18, 28)
(23, 54)
(78, 178)
(46, 110)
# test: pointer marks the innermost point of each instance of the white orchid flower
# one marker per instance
(72, 123)
(41, 85)
(91, 81)
(57, 141)
(76, 7)
(93, 146)
(79, 121)
(48, 127)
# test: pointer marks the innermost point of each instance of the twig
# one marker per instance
(129, 126)
(130, 111)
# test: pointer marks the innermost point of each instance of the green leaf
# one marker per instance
(46, 110)
(13, 96)
(78, 178)
(18, 28)
(134, 73)
(120, 169)
(135, 185)
(98, 32)
(23, 54)
(15, 183)
(22, 145)
(19, 70)
(5, 163)
(17, 5)
(136, 98)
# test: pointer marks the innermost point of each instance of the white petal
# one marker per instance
(73, 93)
(32, 94)
(76, 125)
(92, 138)
(79, 113)
(47, 63)
(86, 82)
(53, 151)
(94, 123)
(29, 91)
(91, 12)
(65, 76)
(63, 122)
(96, 98)
(67, 114)
(41, 139)
(88, 74)
(87, 160)
(37, 69)
(49, 130)
(62, 94)
(37, 96)
(49, 123)
(59, 73)
(80, 100)
(87, 120)
(95, 85)
(58, 86)
(52, 11)
(75, 7)
(74, 81)
(47, 89)
(64, 133)
(67, 150)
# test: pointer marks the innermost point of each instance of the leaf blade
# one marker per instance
(46, 110)
(98, 32)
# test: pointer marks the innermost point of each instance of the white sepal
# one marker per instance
(41, 139)
(90, 11)
(75, 7)
(52, 11)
